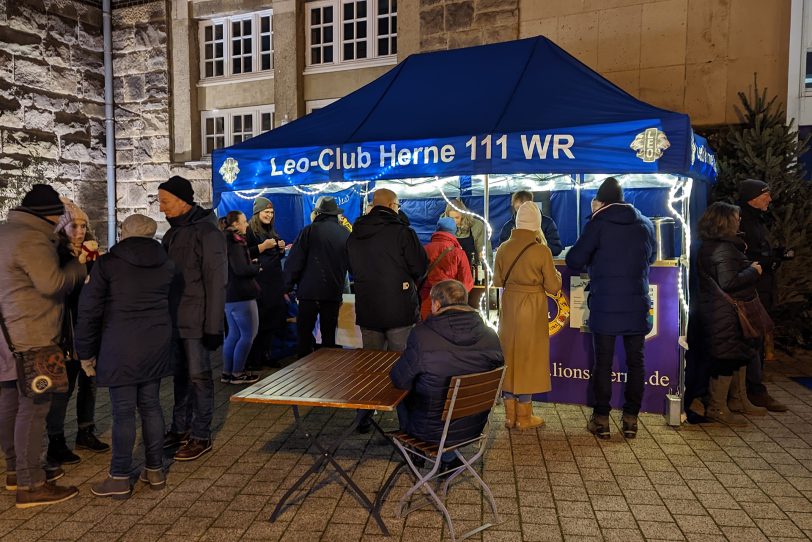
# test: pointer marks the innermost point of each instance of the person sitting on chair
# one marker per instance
(453, 341)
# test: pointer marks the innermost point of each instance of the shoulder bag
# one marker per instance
(753, 318)
(507, 275)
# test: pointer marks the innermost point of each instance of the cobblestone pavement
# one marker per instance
(696, 483)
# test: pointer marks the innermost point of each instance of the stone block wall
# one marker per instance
(450, 24)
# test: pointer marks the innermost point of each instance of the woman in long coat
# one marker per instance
(524, 268)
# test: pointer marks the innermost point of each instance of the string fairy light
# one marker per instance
(683, 188)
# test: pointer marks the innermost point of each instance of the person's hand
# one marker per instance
(89, 366)
(266, 244)
(281, 244)
(757, 267)
(212, 341)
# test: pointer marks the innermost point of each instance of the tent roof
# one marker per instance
(528, 86)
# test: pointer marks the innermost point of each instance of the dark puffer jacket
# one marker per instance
(317, 262)
(453, 342)
(196, 245)
(242, 285)
(617, 246)
(124, 314)
(386, 261)
(723, 261)
(548, 228)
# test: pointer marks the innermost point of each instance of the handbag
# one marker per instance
(753, 318)
(39, 370)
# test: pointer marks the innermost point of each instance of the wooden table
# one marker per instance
(333, 378)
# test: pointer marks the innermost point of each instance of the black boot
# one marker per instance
(59, 453)
(86, 440)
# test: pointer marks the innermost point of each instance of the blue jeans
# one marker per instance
(243, 324)
(124, 401)
(194, 389)
(403, 419)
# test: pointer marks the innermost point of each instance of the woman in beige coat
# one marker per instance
(524, 268)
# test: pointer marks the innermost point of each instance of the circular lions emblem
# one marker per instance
(40, 384)
(558, 312)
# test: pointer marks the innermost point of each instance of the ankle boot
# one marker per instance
(525, 418)
(510, 412)
(737, 400)
(717, 410)
(59, 453)
(86, 439)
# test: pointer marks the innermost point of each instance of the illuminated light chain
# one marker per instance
(484, 301)
(685, 187)
(242, 193)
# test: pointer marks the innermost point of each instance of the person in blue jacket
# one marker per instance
(617, 247)
(548, 225)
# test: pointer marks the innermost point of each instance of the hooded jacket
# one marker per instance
(317, 262)
(453, 342)
(196, 245)
(124, 314)
(617, 247)
(454, 265)
(387, 262)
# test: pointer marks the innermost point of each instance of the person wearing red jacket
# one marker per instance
(447, 260)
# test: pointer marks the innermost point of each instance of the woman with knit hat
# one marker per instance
(265, 245)
(77, 242)
(524, 268)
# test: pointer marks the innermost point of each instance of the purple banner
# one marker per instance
(571, 352)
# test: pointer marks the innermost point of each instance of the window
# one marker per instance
(235, 46)
(351, 33)
(315, 105)
(226, 127)
(808, 76)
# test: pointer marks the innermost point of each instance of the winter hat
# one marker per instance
(43, 200)
(528, 217)
(72, 212)
(327, 205)
(447, 224)
(138, 226)
(260, 204)
(610, 191)
(180, 188)
(751, 189)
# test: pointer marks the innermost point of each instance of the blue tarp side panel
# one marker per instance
(541, 111)
(349, 200)
(423, 215)
(564, 203)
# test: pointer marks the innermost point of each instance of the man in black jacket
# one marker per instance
(754, 200)
(317, 263)
(453, 341)
(196, 245)
(548, 225)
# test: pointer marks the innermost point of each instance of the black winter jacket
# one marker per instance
(723, 261)
(548, 228)
(241, 271)
(451, 343)
(196, 245)
(617, 246)
(318, 260)
(124, 314)
(387, 261)
(759, 249)
(270, 278)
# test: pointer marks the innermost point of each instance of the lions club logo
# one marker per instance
(650, 144)
(558, 312)
(229, 170)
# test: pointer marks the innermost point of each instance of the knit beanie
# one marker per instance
(447, 224)
(43, 200)
(180, 188)
(610, 191)
(528, 217)
(72, 212)
(260, 204)
(751, 189)
(138, 226)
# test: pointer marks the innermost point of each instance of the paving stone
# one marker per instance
(662, 530)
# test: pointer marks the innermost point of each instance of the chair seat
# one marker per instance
(428, 448)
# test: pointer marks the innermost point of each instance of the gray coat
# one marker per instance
(198, 248)
(32, 284)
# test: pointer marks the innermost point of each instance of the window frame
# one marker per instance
(228, 56)
(228, 122)
(372, 59)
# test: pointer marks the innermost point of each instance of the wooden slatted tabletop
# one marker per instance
(356, 379)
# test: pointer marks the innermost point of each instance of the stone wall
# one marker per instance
(52, 103)
(450, 24)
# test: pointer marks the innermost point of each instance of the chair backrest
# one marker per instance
(472, 394)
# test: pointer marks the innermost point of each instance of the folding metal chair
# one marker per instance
(467, 395)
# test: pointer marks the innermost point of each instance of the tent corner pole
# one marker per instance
(486, 245)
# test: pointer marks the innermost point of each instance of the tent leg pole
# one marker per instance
(578, 205)
(486, 246)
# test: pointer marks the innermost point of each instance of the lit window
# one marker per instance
(227, 127)
(235, 46)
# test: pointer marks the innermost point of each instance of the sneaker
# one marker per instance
(193, 449)
(59, 453)
(44, 495)
(173, 440)
(599, 426)
(629, 425)
(225, 378)
(86, 440)
(245, 378)
(156, 478)
(117, 487)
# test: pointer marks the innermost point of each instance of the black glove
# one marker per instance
(212, 341)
